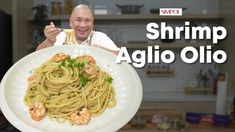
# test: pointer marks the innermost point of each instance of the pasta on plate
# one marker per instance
(69, 89)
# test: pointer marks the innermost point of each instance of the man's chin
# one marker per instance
(82, 36)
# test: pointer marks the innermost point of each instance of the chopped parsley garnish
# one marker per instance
(79, 64)
(72, 63)
(63, 63)
(109, 79)
(83, 80)
(71, 60)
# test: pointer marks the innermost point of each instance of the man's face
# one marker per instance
(81, 21)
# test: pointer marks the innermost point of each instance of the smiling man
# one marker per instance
(81, 32)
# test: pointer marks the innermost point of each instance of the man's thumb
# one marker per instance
(52, 24)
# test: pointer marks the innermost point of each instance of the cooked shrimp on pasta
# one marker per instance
(73, 89)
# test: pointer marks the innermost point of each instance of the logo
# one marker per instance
(170, 11)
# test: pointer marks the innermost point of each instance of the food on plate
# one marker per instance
(37, 111)
(66, 88)
(81, 117)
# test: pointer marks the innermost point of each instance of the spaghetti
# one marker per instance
(64, 85)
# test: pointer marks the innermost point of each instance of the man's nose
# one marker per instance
(82, 23)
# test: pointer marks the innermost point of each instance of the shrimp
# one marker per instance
(81, 117)
(31, 78)
(89, 58)
(60, 57)
(90, 71)
(37, 111)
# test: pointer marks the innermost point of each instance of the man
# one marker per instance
(82, 24)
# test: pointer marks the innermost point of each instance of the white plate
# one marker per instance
(125, 80)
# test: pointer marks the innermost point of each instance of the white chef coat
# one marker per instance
(95, 38)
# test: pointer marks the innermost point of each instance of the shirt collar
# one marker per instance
(88, 40)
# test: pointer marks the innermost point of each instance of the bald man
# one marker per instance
(82, 24)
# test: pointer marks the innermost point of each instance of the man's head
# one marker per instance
(82, 22)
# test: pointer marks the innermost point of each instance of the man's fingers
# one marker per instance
(52, 30)
(52, 24)
(52, 34)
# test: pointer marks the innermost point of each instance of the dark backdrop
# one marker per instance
(5, 42)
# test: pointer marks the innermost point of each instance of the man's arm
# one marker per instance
(46, 43)
(50, 32)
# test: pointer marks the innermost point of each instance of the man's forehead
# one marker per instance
(82, 12)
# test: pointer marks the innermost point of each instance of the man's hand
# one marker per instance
(51, 32)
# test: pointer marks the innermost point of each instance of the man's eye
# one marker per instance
(87, 20)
